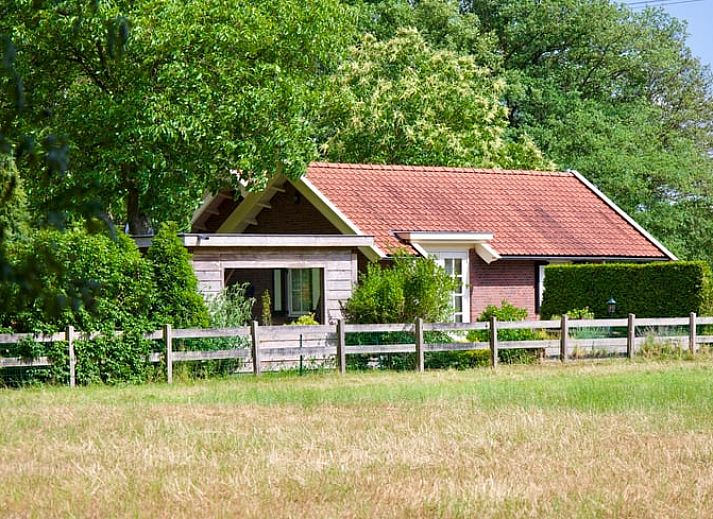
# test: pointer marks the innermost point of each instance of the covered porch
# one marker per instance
(304, 274)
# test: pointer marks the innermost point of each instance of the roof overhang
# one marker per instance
(266, 240)
(426, 241)
(624, 259)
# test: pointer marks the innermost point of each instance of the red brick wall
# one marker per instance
(513, 280)
(291, 213)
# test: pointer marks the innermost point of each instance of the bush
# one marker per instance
(91, 281)
(97, 284)
(648, 290)
(177, 300)
(230, 308)
(412, 287)
(508, 312)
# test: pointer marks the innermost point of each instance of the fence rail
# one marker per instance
(268, 344)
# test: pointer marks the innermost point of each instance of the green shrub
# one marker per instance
(457, 359)
(230, 308)
(91, 281)
(97, 284)
(411, 287)
(177, 300)
(305, 320)
(671, 289)
(508, 312)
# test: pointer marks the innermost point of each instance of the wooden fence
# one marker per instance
(270, 344)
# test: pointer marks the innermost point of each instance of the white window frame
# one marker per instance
(463, 255)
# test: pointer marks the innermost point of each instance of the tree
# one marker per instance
(177, 299)
(400, 101)
(183, 94)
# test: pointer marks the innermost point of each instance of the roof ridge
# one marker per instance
(433, 169)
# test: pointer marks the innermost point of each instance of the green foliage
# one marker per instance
(71, 267)
(578, 313)
(108, 273)
(177, 301)
(508, 312)
(648, 290)
(266, 306)
(400, 101)
(411, 287)
(231, 308)
(305, 320)
(617, 95)
(457, 359)
(175, 96)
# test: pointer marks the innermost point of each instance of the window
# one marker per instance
(304, 290)
(456, 265)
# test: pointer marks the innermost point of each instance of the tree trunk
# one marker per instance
(138, 222)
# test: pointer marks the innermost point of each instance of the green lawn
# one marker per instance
(586, 440)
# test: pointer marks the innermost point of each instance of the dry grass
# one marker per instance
(523, 442)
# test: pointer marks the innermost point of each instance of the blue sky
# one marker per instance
(699, 15)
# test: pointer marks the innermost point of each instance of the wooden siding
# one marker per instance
(339, 270)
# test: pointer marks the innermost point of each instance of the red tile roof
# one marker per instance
(530, 213)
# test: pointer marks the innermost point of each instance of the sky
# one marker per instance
(699, 15)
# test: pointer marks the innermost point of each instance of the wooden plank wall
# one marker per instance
(339, 267)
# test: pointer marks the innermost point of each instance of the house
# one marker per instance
(494, 230)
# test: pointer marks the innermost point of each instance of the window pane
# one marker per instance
(448, 265)
(301, 288)
(458, 303)
(458, 266)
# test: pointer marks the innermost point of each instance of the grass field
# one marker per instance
(597, 440)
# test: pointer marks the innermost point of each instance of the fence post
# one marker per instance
(257, 368)
(493, 341)
(692, 338)
(630, 336)
(69, 337)
(418, 329)
(564, 337)
(168, 341)
(341, 352)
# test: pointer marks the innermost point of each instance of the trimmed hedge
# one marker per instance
(671, 289)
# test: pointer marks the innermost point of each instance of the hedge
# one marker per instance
(671, 289)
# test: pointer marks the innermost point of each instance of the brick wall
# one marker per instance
(513, 280)
(291, 213)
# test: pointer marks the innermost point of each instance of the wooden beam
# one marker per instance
(168, 342)
(493, 342)
(692, 339)
(341, 351)
(418, 328)
(564, 336)
(630, 336)
(69, 335)
(257, 367)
